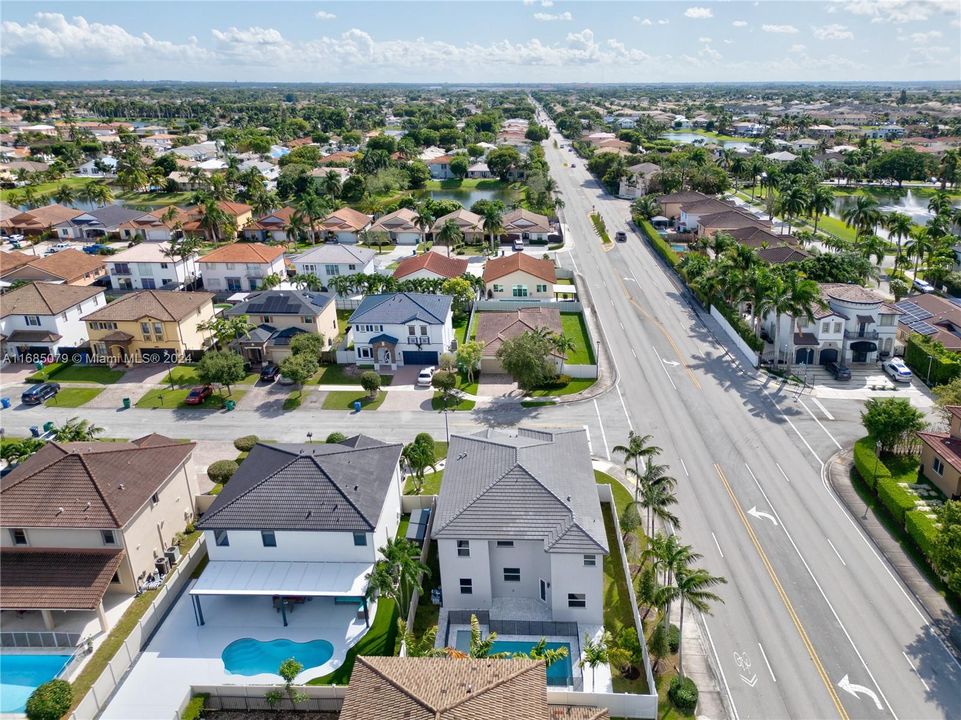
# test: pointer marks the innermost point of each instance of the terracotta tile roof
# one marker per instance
(45, 298)
(465, 219)
(493, 328)
(234, 208)
(944, 445)
(729, 219)
(12, 260)
(68, 265)
(499, 267)
(43, 218)
(87, 485)
(55, 578)
(849, 292)
(955, 410)
(156, 304)
(338, 157)
(432, 262)
(401, 220)
(252, 253)
(346, 219)
(522, 220)
(284, 215)
(577, 712)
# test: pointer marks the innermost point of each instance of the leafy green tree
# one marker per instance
(50, 701)
(659, 645)
(310, 344)
(222, 470)
(502, 160)
(16, 451)
(536, 133)
(462, 291)
(299, 368)
(335, 437)
(947, 547)
(419, 455)
(398, 574)
(444, 381)
(469, 357)
(418, 174)
(226, 329)
(221, 367)
(891, 421)
(528, 359)
(289, 670)
(459, 165)
(370, 381)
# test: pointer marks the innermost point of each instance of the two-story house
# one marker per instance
(241, 267)
(327, 261)
(147, 266)
(345, 225)
(638, 180)
(525, 225)
(519, 276)
(518, 523)
(281, 315)
(70, 266)
(83, 519)
(470, 224)
(43, 318)
(941, 455)
(401, 227)
(272, 227)
(150, 326)
(430, 265)
(302, 521)
(401, 329)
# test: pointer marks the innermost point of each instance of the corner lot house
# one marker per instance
(147, 267)
(150, 326)
(83, 519)
(430, 265)
(493, 328)
(402, 329)
(345, 225)
(71, 267)
(400, 227)
(526, 225)
(241, 267)
(519, 276)
(281, 315)
(327, 261)
(941, 456)
(42, 318)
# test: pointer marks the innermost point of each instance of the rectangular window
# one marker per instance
(108, 537)
(306, 320)
(411, 330)
(423, 330)
(310, 269)
(18, 536)
(234, 283)
(576, 600)
(32, 320)
(590, 560)
(466, 586)
(351, 267)
(463, 548)
(505, 543)
(826, 326)
(542, 288)
(937, 466)
(266, 318)
(498, 288)
(888, 320)
(837, 327)
(360, 539)
(220, 537)
(519, 291)
(512, 574)
(363, 352)
(332, 270)
(158, 330)
(268, 538)
(163, 266)
(145, 329)
(121, 269)
(145, 269)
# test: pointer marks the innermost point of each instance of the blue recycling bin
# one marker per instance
(4, 403)
(34, 431)
(357, 406)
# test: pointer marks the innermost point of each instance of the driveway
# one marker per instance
(16, 373)
(497, 386)
(414, 399)
(406, 375)
(206, 453)
(112, 395)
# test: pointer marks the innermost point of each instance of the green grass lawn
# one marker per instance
(574, 386)
(601, 228)
(427, 613)
(61, 372)
(45, 190)
(344, 400)
(342, 317)
(440, 449)
(378, 640)
(564, 281)
(146, 201)
(835, 227)
(437, 402)
(431, 484)
(575, 327)
(536, 403)
(292, 402)
(467, 183)
(338, 375)
(460, 330)
(166, 398)
(186, 376)
(73, 397)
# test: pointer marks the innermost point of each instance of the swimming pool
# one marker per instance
(253, 657)
(20, 675)
(560, 673)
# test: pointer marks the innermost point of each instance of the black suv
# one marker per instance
(620, 236)
(269, 372)
(38, 393)
(840, 372)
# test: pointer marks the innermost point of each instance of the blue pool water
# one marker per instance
(21, 674)
(253, 657)
(557, 674)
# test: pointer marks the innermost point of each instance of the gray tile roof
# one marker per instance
(334, 253)
(322, 487)
(537, 485)
(282, 302)
(401, 307)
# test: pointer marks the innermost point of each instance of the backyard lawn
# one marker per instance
(575, 327)
(72, 397)
(166, 398)
(431, 484)
(45, 190)
(378, 640)
(427, 613)
(342, 317)
(344, 400)
(460, 330)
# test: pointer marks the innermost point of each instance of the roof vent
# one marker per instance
(356, 487)
(568, 498)
(309, 513)
(121, 486)
(59, 511)
(87, 506)
(469, 689)
(462, 456)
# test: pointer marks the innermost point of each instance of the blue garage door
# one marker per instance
(420, 357)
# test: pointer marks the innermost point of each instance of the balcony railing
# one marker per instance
(861, 334)
(419, 340)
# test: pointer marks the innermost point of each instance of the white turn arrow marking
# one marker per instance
(750, 683)
(672, 363)
(758, 514)
(856, 690)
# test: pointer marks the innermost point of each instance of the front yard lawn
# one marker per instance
(575, 327)
(73, 397)
(338, 375)
(186, 375)
(344, 400)
(575, 385)
(378, 640)
(65, 372)
(167, 398)
(454, 403)
(292, 402)
(431, 484)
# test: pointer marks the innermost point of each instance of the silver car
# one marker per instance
(897, 370)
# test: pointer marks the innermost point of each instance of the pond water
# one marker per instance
(689, 138)
(902, 201)
(469, 196)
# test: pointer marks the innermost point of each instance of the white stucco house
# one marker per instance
(330, 260)
(146, 267)
(401, 329)
(41, 318)
(241, 267)
(101, 167)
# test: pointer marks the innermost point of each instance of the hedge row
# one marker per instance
(869, 467)
(922, 530)
(740, 327)
(657, 242)
(920, 353)
(895, 498)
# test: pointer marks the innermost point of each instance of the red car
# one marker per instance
(198, 395)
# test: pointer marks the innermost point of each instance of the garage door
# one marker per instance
(491, 366)
(420, 357)
(158, 355)
(829, 355)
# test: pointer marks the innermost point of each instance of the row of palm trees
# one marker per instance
(375, 283)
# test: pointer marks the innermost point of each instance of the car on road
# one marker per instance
(838, 371)
(923, 287)
(270, 372)
(40, 392)
(425, 377)
(897, 370)
(620, 236)
(94, 249)
(198, 394)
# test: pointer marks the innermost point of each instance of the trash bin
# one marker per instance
(356, 405)
(48, 426)
(126, 403)
(38, 366)
(230, 404)
(34, 431)
(4, 403)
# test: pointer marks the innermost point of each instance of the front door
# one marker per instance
(859, 356)
(543, 586)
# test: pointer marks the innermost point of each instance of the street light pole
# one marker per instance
(446, 423)
(927, 380)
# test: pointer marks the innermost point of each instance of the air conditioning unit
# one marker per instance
(172, 554)
(163, 565)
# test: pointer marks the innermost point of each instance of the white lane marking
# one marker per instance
(836, 552)
(574, 263)
(621, 324)
(794, 428)
(782, 472)
(821, 590)
(663, 367)
(857, 690)
(607, 452)
(915, 671)
(817, 402)
(754, 512)
(720, 669)
(717, 544)
(620, 396)
(685, 467)
(820, 425)
(634, 353)
(766, 662)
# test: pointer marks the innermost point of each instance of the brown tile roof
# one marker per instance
(12, 260)
(433, 262)
(338, 157)
(346, 219)
(156, 304)
(465, 219)
(682, 197)
(234, 208)
(523, 220)
(493, 328)
(32, 336)
(848, 292)
(944, 445)
(68, 265)
(729, 219)
(401, 220)
(55, 578)
(45, 298)
(781, 254)
(538, 267)
(253, 253)
(87, 485)
(446, 689)
(43, 218)
(284, 215)
(577, 712)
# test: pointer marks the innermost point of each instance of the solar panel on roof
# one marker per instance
(923, 328)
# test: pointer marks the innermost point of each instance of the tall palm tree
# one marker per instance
(492, 224)
(872, 246)
(656, 499)
(757, 292)
(940, 203)
(76, 429)
(820, 202)
(637, 449)
(755, 166)
(312, 209)
(792, 296)
(330, 185)
(595, 652)
(423, 219)
(398, 573)
(65, 194)
(899, 227)
(264, 202)
(213, 218)
(450, 234)
(922, 244)
(692, 589)
(792, 201)
(863, 215)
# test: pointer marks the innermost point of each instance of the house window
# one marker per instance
(266, 318)
(310, 269)
(18, 536)
(576, 600)
(512, 574)
(108, 537)
(423, 330)
(498, 288)
(590, 561)
(542, 288)
(221, 538)
(826, 326)
(145, 269)
(937, 466)
(233, 283)
(158, 330)
(360, 539)
(332, 270)
(163, 266)
(268, 538)
(121, 269)
(888, 320)
(519, 291)
(463, 548)
(32, 320)
(411, 330)
(306, 320)
(505, 543)
(837, 327)
(363, 352)
(466, 586)
(351, 267)
(145, 329)
(230, 266)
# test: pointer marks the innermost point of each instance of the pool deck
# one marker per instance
(182, 654)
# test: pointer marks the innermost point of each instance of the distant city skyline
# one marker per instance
(512, 41)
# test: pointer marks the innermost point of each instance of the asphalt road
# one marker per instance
(814, 623)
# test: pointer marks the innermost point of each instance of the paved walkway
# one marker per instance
(947, 622)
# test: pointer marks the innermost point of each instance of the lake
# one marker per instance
(468, 196)
(902, 201)
(690, 138)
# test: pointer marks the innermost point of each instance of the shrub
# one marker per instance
(336, 437)
(657, 242)
(674, 638)
(866, 461)
(944, 367)
(922, 530)
(246, 443)
(683, 693)
(49, 701)
(194, 708)
(741, 327)
(222, 470)
(895, 498)
(370, 381)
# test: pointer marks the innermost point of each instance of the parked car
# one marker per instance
(38, 393)
(897, 370)
(923, 287)
(518, 245)
(285, 380)
(94, 249)
(269, 372)
(838, 371)
(620, 236)
(425, 376)
(198, 394)
(61, 246)
(573, 165)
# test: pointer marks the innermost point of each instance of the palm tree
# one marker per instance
(757, 292)
(940, 203)
(820, 202)
(213, 218)
(492, 224)
(450, 234)
(29, 196)
(309, 281)
(264, 202)
(422, 646)
(480, 647)
(312, 210)
(595, 652)
(637, 449)
(873, 246)
(691, 588)
(646, 206)
(794, 296)
(755, 166)
(296, 228)
(899, 227)
(76, 429)
(330, 185)
(793, 201)
(181, 249)
(922, 244)
(863, 215)
(656, 499)
(65, 194)
(423, 219)
(398, 573)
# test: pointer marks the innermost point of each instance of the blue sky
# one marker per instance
(482, 41)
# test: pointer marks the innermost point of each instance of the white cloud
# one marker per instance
(899, 11)
(922, 38)
(644, 21)
(739, 23)
(543, 3)
(833, 32)
(728, 41)
(699, 13)
(710, 54)
(786, 29)
(324, 15)
(704, 39)
(549, 17)
(797, 48)
(665, 21)
(927, 56)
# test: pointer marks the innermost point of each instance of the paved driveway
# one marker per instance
(406, 375)
(497, 386)
(414, 399)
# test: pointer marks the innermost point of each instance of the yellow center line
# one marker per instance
(784, 598)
